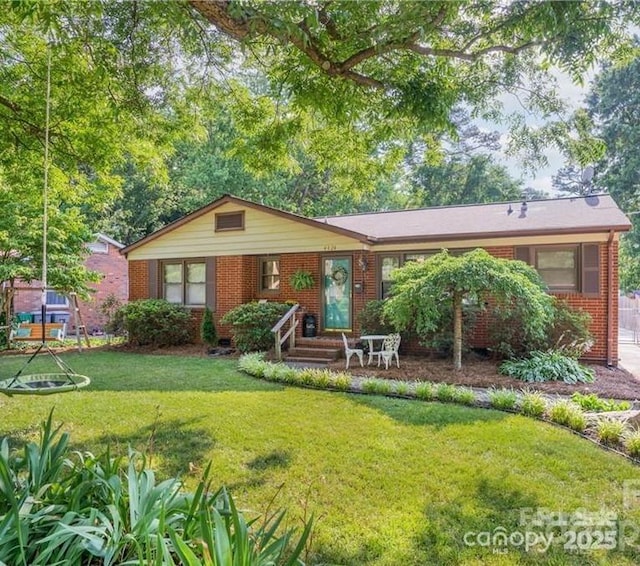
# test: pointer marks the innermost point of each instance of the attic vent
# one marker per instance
(230, 221)
(98, 247)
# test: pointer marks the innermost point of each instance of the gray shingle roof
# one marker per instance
(579, 214)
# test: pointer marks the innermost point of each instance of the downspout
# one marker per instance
(610, 291)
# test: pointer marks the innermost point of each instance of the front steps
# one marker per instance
(316, 351)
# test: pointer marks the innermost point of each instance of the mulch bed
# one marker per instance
(609, 383)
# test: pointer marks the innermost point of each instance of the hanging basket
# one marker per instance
(340, 275)
(43, 384)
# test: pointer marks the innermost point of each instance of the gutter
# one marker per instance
(610, 292)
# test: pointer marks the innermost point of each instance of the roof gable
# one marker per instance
(220, 205)
(265, 230)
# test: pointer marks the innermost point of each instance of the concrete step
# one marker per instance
(308, 352)
(301, 361)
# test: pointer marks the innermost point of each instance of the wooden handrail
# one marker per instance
(289, 316)
(285, 318)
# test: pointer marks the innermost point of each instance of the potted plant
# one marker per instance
(302, 279)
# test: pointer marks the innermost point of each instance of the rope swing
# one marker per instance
(65, 379)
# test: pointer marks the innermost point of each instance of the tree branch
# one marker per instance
(249, 24)
(9, 104)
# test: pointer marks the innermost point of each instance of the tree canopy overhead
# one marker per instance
(322, 98)
(416, 59)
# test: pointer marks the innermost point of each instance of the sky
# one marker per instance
(574, 95)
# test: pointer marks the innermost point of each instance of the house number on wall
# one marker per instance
(330, 248)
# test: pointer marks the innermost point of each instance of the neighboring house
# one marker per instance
(106, 259)
(233, 251)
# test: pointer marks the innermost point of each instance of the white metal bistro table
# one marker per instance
(371, 338)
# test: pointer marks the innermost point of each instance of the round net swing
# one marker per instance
(43, 384)
(64, 379)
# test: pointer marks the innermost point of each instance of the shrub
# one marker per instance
(425, 391)
(108, 309)
(154, 322)
(610, 431)
(592, 402)
(208, 332)
(372, 320)
(631, 442)
(533, 404)
(84, 509)
(446, 393)
(503, 399)
(548, 366)
(566, 329)
(569, 330)
(465, 396)
(252, 323)
(568, 414)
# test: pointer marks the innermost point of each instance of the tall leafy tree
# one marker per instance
(423, 292)
(615, 105)
(463, 181)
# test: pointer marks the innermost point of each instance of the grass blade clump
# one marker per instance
(446, 393)
(631, 442)
(464, 396)
(533, 404)
(503, 399)
(425, 391)
(341, 381)
(610, 431)
(568, 414)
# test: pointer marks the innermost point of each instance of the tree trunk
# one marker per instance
(457, 331)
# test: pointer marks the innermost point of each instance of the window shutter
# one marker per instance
(211, 282)
(591, 269)
(152, 269)
(523, 253)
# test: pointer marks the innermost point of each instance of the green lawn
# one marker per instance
(390, 481)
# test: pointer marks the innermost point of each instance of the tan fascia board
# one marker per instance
(225, 199)
(498, 235)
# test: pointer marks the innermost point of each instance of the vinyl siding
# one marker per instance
(264, 233)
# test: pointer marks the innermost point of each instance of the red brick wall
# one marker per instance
(115, 279)
(596, 306)
(138, 280)
(237, 282)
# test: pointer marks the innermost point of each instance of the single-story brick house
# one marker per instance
(105, 258)
(234, 251)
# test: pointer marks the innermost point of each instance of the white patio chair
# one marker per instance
(348, 352)
(389, 350)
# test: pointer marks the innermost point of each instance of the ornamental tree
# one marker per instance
(422, 293)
